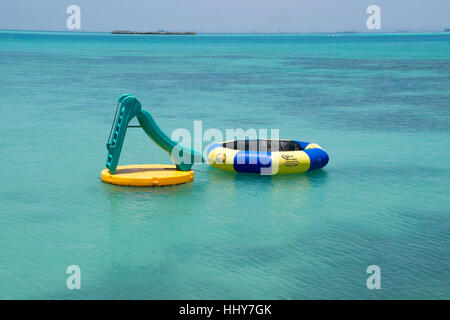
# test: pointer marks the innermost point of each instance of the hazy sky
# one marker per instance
(226, 15)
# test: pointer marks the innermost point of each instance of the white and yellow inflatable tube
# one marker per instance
(267, 156)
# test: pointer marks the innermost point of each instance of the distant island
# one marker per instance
(347, 32)
(152, 32)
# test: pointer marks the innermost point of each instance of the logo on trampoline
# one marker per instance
(287, 157)
(291, 161)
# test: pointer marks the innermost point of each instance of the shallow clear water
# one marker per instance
(379, 104)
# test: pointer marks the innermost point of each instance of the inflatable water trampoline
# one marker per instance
(267, 156)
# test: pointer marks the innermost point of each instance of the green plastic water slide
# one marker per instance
(129, 107)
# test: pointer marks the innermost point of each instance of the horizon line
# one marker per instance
(347, 32)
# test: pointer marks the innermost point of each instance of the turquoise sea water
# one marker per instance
(379, 104)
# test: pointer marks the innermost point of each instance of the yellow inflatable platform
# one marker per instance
(147, 175)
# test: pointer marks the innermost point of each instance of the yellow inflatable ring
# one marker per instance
(147, 175)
